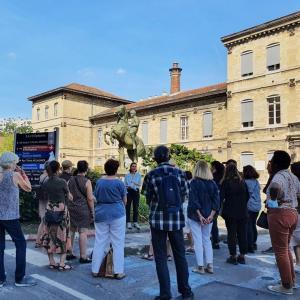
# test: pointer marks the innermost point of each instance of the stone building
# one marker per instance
(256, 112)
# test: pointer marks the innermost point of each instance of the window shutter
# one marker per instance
(100, 137)
(247, 111)
(273, 55)
(145, 132)
(247, 159)
(207, 124)
(163, 131)
(247, 63)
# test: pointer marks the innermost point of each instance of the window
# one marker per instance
(274, 110)
(247, 113)
(247, 63)
(207, 124)
(184, 128)
(46, 112)
(55, 109)
(247, 159)
(273, 57)
(38, 114)
(145, 132)
(100, 138)
(163, 131)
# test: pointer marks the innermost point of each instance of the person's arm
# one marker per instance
(68, 194)
(215, 203)
(184, 186)
(90, 196)
(123, 192)
(21, 180)
(138, 182)
(146, 189)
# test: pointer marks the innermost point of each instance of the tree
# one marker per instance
(184, 157)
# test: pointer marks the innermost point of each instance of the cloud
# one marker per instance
(12, 55)
(121, 71)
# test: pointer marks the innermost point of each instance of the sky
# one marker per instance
(123, 47)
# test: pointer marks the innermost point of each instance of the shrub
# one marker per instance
(143, 210)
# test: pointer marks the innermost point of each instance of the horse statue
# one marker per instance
(125, 132)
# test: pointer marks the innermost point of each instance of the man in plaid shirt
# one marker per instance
(165, 224)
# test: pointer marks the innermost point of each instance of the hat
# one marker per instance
(66, 164)
(230, 161)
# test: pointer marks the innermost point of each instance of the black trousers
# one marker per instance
(133, 197)
(251, 229)
(215, 231)
(236, 231)
(159, 242)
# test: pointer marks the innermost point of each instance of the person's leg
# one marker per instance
(215, 232)
(231, 235)
(82, 242)
(207, 246)
(39, 234)
(250, 232)
(169, 249)
(14, 229)
(2, 248)
(101, 244)
(255, 216)
(51, 259)
(128, 206)
(242, 236)
(136, 201)
(198, 246)
(182, 272)
(117, 233)
(159, 243)
(279, 220)
(72, 235)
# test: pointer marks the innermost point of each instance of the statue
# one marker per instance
(125, 132)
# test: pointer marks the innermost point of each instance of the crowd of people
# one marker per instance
(179, 203)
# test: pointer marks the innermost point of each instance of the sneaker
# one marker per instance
(294, 285)
(119, 276)
(241, 260)
(25, 282)
(199, 270)
(268, 251)
(129, 226)
(188, 297)
(210, 269)
(297, 269)
(232, 260)
(280, 289)
(2, 283)
(137, 226)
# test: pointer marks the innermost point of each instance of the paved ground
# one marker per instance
(228, 282)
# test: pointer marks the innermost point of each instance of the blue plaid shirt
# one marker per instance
(159, 219)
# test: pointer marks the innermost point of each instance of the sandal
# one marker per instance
(52, 267)
(148, 257)
(70, 256)
(38, 245)
(85, 260)
(119, 276)
(65, 268)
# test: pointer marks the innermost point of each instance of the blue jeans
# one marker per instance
(159, 242)
(13, 228)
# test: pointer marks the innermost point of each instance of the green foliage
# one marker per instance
(28, 207)
(184, 157)
(6, 143)
(93, 176)
(12, 126)
(143, 210)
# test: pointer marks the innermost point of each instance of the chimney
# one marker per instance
(175, 73)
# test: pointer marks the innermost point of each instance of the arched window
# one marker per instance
(47, 112)
(273, 57)
(247, 63)
(247, 113)
(274, 109)
(207, 124)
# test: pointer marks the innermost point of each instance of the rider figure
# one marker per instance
(133, 123)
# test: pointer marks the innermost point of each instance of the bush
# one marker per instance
(143, 210)
(29, 210)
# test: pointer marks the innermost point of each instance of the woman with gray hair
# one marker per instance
(11, 179)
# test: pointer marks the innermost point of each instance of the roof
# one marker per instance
(80, 89)
(179, 97)
(291, 18)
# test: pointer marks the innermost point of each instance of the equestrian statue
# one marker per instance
(125, 132)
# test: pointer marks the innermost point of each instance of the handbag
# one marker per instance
(54, 217)
(262, 220)
(107, 267)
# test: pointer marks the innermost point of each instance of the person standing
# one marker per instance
(166, 188)
(66, 174)
(133, 181)
(204, 202)
(234, 196)
(283, 219)
(42, 204)
(81, 209)
(11, 179)
(110, 219)
(217, 169)
(56, 237)
(254, 205)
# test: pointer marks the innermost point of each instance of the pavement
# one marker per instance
(228, 282)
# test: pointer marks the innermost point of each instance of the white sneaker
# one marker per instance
(280, 289)
(297, 269)
(137, 226)
(129, 226)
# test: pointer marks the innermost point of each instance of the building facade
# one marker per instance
(254, 113)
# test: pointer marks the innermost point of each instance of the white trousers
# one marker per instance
(202, 242)
(105, 233)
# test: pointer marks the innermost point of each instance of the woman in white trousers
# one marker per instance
(204, 202)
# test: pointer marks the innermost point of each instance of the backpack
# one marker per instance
(169, 196)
